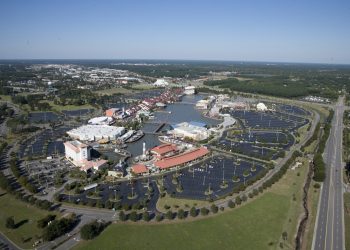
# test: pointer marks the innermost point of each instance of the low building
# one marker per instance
(180, 160)
(202, 104)
(261, 107)
(190, 90)
(93, 165)
(192, 130)
(161, 83)
(112, 112)
(96, 132)
(164, 150)
(118, 170)
(77, 152)
(139, 169)
(102, 120)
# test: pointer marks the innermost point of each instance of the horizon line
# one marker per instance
(152, 59)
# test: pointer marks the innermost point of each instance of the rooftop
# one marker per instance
(139, 169)
(75, 145)
(180, 159)
(164, 149)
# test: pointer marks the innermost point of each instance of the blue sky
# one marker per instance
(260, 30)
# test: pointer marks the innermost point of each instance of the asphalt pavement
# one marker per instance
(329, 229)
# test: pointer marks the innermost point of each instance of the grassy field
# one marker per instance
(256, 225)
(347, 219)
(59, 108)
(314, 194)
(6, 98)
(181, 203)
(25, 215)
(113, 91)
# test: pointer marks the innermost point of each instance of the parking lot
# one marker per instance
(46, 143)
(77, 113)
(43, 117)
(196, 180)
(43, 172)
(121, 191)
(269, 120)
(292, 109)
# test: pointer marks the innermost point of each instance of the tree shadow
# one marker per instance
(22, 222)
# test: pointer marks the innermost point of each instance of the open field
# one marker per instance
(68, 107)
(143, 86)
(112, 91)
(25, 215)
(181, 203)
(347, 219)
(256, 225)
(6, 98)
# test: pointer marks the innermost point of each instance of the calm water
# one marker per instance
(180, 112)
(184, 111)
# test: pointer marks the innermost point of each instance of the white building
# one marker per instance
(77, 152)
(190, 90)
(102, 120)
(202, 104)
(190, 130)
(160, 83)
(96, 132)
(261, 107)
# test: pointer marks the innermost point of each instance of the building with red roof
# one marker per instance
(112, 112)
(182, 158)
(139, 169)
(164, 149)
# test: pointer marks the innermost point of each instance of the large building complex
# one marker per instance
(96, 132)
(181, 159)
(192, 130)
(190, 90)
(77, 151)
(80, 155)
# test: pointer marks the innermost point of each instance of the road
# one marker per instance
(7, 244)
(329, 230)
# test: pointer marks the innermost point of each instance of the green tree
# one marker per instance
(193, 212)
(145, 216)
(181, 214)
(133, 216)
(10, 222)
(122, 216)
(204, 211)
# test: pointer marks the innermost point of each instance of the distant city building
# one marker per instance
(96, 132)
(161, 83)
(261, 107)
(190, 90)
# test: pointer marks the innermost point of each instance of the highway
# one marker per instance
(329, 229)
